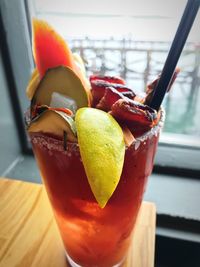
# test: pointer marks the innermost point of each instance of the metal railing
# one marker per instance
(139, 62)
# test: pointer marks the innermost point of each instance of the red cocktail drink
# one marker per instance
(94, 236)
(95, 141)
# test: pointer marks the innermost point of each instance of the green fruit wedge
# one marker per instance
(102, 151)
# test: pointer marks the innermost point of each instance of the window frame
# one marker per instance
(174, 157)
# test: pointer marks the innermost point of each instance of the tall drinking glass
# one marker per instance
(93, 236)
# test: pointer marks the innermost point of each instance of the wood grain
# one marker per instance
(29, 236)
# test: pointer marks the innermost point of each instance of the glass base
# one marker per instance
(74, 264)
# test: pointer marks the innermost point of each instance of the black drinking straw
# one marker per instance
(178, 43)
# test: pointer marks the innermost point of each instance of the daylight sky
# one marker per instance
(154, 20)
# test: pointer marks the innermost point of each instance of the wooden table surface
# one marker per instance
(29, 236)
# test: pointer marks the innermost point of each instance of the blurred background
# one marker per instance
(130, 39)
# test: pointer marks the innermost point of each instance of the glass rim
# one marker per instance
(147, 135)
(154, 130)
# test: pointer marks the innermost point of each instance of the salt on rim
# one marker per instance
(152, 132)
(53, 144)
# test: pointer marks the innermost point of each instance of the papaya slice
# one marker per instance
(50, 50)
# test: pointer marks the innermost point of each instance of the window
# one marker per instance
(131, 40)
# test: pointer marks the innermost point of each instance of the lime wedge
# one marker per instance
(102, 151)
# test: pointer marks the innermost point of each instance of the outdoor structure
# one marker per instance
(140, 62)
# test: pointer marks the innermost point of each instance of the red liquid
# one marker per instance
(93, 236)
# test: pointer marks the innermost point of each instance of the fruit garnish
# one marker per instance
(151, 87)
(129, 94)
(54, 122)
(63, 81)
(128, 136)
(64, 110)
(139, 98)
(102, 149)
(32, 84)
(79, 62)
(37, 110)
(99, 86)
(132, 111)
(111, 95)
(50, 50)
(106, 78)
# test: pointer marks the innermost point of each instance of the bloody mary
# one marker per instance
(94, 236)
(94, 141)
